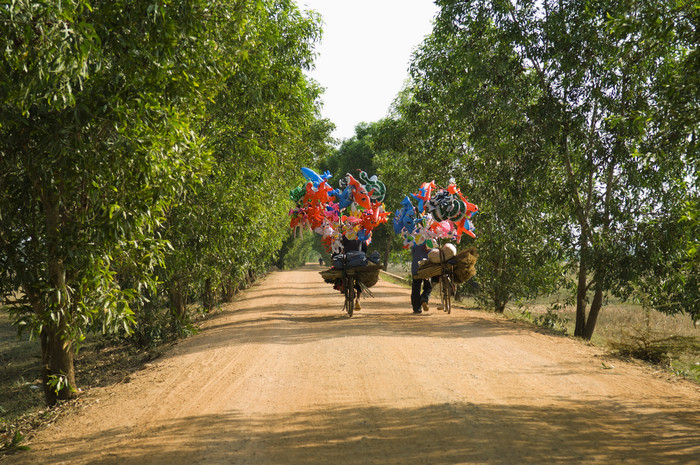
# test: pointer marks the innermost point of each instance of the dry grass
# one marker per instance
(20, 371)
(628, 330)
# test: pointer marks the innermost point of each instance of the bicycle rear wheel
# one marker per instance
(446, 288)
(349, 290)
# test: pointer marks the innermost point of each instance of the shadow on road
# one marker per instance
(309, 310)
(606, 433)
(303, 323)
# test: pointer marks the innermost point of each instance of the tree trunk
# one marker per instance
(581, 298)
(208, 295)
(178, 300)
(56, 345)
(596, 305)
(228, 290)
(56, 353)
(499, 302)
(57, 361)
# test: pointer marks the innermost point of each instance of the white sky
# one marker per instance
(364, 55)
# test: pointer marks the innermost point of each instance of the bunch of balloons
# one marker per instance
(440, 213)
(352, 211)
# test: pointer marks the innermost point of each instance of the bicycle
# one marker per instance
(349, 280)
(446, 285)
(352, 282)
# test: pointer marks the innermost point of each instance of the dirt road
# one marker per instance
(282, 376)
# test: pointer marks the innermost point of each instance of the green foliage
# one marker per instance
(553, 117)
(97, 144)
(58, 383)
(687, 370)
(145, 150)
(88, 175)
(182, 326)
(263, 124)
(296, 251)
(152, 325)
(672, 283)
(552, 319)
(354, 154)
(14, 444)
(450, 124)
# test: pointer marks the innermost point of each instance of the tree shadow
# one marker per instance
(570, 432)
(305, 309)
(300, 323)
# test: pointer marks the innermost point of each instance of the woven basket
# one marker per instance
(367, 275)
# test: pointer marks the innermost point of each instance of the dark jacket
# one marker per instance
(418, 253)
(353, 245)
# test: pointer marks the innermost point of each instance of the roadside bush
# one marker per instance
(652, 346)
(152, 326)
(690, 370)
(552, 319)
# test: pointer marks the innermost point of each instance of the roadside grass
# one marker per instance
(626, 330)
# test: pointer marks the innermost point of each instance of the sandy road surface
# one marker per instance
(282, 376)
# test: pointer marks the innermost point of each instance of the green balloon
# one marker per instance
(297, 193)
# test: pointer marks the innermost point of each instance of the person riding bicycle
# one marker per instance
(352, 245)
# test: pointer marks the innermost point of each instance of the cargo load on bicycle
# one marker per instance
(352, 274)
(344, 217)
(462, 264)
(364, 267)
(440, 213)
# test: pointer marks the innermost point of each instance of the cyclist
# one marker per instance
(352, 245)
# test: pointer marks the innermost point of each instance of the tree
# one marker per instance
(100, 102)
(672, 281)
(578, 90)
(261, 125)
(473, 127)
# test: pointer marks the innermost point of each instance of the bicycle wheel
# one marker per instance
(446, 288)
(349, 290)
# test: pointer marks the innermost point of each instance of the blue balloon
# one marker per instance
(398, 223)
(421, 205)
(344, 197)
(363, 235)
(405, 216)
(314, 177)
